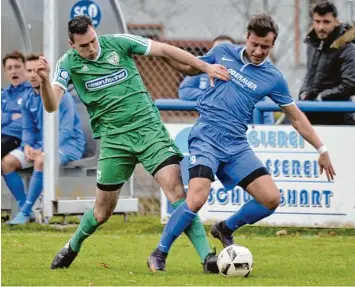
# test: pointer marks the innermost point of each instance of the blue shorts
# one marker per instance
(229, 157)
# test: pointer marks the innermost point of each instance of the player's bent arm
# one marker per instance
(182, 68)
(51, 96)
(302, 125)
(180, 56)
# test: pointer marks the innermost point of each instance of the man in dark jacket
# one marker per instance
(330, 64)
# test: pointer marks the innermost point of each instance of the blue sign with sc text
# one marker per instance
(89, 8)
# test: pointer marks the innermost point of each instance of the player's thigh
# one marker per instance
(204, 162)
(265, 191)
(154, 146)
(247, 171)
(9, 164)
(116, 163)
(20, 156)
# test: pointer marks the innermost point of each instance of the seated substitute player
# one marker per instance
(11, 118)
(192, 88)
(11, 101)
(71, 143)
(126, 120)
(218, 144)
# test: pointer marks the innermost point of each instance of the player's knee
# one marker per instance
(273, 200)
(38, 163)
(8, 164)
(102, 215)
(195, 203)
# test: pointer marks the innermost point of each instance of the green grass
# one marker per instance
(116, 255)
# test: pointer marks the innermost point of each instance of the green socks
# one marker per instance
(197, 234)
(87, 226)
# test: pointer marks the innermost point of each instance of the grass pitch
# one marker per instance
(117, 253)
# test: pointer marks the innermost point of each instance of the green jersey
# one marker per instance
(110, 86)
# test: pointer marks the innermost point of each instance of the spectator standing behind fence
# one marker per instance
(71, 144)
(11, 101)
(330, 64)
(193, 88)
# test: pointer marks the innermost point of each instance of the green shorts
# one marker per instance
(150, 145)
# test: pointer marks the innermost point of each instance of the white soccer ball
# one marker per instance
(235, 261)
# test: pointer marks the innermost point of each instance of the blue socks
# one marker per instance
(15, 184)
(178, 222)
(34, 191)
(250, 212)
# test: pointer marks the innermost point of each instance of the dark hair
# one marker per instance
(224, 38)
(325, 7)
(78, 25)
(33, 57)
(15, 55)
(261, 25)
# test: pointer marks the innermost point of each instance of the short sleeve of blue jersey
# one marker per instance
(281, 94)
(210, 56)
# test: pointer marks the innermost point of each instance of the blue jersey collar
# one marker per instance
(18, 88)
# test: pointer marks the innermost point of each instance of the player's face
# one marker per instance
(15, 71)
(33, 78)
(258, 48)
(86, 45)
(324, 25)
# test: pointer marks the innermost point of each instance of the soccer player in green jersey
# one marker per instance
(124, 117)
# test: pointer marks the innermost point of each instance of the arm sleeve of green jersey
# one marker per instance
(61, 73)
(133, 44)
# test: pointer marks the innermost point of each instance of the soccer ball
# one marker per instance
(235, 261)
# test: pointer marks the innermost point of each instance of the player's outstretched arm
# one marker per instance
(182, 68)
(180, 56)
(50, 95)
(303, 126)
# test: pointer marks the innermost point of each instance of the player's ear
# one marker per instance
(71, 44)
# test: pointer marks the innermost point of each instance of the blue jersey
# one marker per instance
(71, 135)
(193, 88)
(229, 104)
(11, 103)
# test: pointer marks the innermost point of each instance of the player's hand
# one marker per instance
(217, 71)
(28, 153)
(326, 165)
(35, 153)
(43, 70)
(16, 116)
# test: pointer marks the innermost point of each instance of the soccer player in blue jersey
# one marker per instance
(218, 144)
(192, 88)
